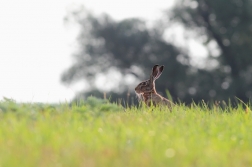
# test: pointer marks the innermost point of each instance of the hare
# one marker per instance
(146, 90)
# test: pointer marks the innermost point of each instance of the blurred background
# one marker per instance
(57, 51)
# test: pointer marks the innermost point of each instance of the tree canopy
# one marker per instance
(229, 25)
(129, 47)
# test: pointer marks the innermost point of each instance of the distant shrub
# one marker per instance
(96, 104)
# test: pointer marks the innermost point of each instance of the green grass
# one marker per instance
(97, 133)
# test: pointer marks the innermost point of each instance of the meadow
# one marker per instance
(95, 133)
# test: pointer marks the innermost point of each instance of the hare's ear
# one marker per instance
(156, 72)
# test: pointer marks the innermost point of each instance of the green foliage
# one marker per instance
(91, 104)
(77, 135)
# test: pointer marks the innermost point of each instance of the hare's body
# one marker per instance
(155, 99)
(146, 90)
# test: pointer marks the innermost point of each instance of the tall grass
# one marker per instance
(97, 133)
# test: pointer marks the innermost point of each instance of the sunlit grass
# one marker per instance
(97, 133)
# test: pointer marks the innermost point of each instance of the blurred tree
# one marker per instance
(125, 49)
(228, 23)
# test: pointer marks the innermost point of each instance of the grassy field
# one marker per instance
(96, 133)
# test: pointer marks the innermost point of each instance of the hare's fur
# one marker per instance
(146, 90)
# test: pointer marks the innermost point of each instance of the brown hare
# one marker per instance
(147, 93)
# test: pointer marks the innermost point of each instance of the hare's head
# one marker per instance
(148, 86)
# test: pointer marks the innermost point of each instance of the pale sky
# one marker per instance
(36, 45)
